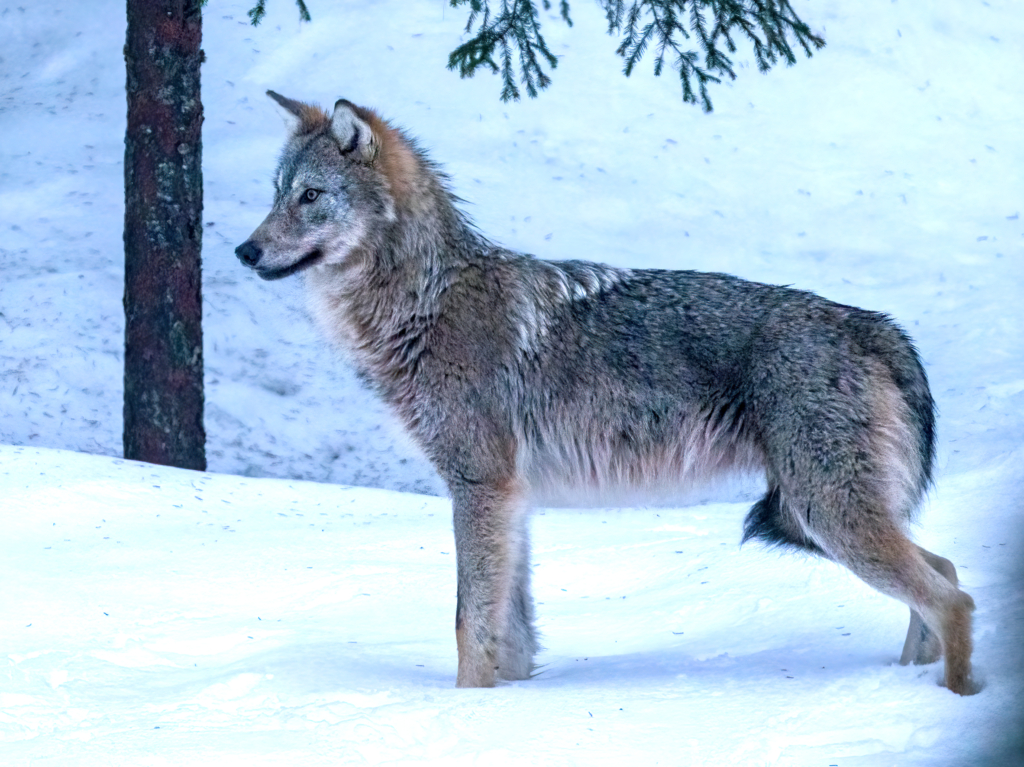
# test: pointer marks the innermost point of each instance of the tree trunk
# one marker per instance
(163, 195)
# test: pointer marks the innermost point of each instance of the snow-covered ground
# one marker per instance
(317, 618)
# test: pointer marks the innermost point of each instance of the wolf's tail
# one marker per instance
(897, 352)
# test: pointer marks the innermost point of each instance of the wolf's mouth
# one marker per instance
(307, 260)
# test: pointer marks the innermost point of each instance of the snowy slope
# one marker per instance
(884, 172)
(159, 616)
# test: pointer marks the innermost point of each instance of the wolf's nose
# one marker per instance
(248, 253)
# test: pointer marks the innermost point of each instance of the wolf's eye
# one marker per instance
(310, 195)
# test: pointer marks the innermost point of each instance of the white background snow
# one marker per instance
(294, 615)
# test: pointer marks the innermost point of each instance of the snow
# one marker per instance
(295, 605)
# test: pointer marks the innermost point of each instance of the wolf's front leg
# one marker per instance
(494, 617)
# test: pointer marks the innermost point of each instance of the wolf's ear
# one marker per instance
(353, 132)
(292, 110)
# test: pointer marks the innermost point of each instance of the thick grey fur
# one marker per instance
(526, 380)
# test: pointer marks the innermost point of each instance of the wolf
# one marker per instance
(524, 380)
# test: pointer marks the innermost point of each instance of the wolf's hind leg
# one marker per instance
(923, 645)
(877, 551)
(492, 627)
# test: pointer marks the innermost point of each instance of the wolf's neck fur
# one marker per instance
(381, 302)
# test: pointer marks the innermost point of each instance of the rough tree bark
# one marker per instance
(163, 183)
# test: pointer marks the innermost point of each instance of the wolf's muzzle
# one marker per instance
(248, 253)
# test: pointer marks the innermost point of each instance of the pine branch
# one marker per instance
(767, 24)
(613, 11)
(258, 11)
(513, 31)
(515, 26)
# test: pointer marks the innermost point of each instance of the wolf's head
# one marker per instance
(335, 189)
